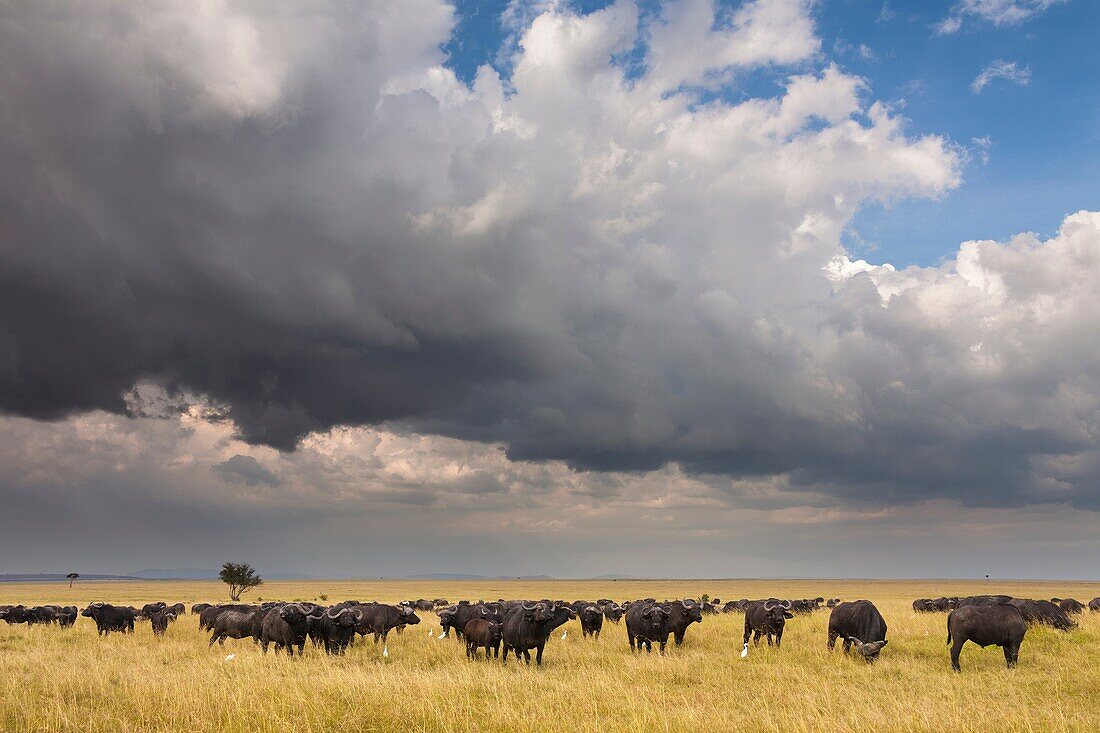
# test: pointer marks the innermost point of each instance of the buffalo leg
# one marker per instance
(956, 647)
(1012, 654)
(832, 640)
(778, 638)
(538, 655)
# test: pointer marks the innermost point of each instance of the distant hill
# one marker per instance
(58, 577)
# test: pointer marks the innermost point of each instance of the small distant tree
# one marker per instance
(72, 577)
(240, 577)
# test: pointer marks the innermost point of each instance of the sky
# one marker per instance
(684, 289)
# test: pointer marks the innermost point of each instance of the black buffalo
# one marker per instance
(1069, 605)
(647, 623)
(1094, 604)
(160, 618)
(859, 623)
(379, 619)
(528, 626)
(336, 628)
(986, 625)
(482, 633)
(110, 618)
(199, 608)
(591, 618)
(766, 619)
(286, 626)
(1044, 613)
(457, 616)
(681, 615)
(66, 616)
(239, 623)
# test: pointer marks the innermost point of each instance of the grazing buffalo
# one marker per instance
(1000, 625)
(199, 608)
(160, 618)
(235, 624)
(1069, 605)
(286, 626)
(34, 615)
(591, 620)
(1044, 613)
(924, 605)
(336, 628)
(832, 602)
(210, 613)
(767, 619)
(1094, 604)
(859, 623)
(647, 623)
(483, 633)
(379, 619)
(110, 618)
(528, 626)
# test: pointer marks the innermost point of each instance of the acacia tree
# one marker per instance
(72, 577)
(240, 577)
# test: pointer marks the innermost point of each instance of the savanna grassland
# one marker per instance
(54, 679)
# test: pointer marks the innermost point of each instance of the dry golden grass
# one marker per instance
(72, 679)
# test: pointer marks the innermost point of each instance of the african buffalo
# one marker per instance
(986, 625)
(110, 618)
(647, 623)
(528, 626)
(1044, 613)
(1069, 605)
(480, 633)
(767, 618)
(457, 616)
(591, 620)
(379, 619)
(336, 628)
(859, 623)
(1094, 604)
(235, 624)
(681, 615)
(160, 618)
(286, 627)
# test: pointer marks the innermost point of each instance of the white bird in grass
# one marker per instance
(231, 657)
(441, 635)
(745, 651)
(563, 634)
(429, 631)
(385, 652)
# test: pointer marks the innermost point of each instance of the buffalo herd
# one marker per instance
(523, 626)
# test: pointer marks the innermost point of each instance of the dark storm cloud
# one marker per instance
(301, 216)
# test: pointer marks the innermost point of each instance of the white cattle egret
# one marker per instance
(385, 652)
(441, 635)
(745, 651)
(429, 631)
(231, 657)
(563, 634)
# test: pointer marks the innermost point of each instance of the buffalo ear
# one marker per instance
(884, 642)
(788, 614)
